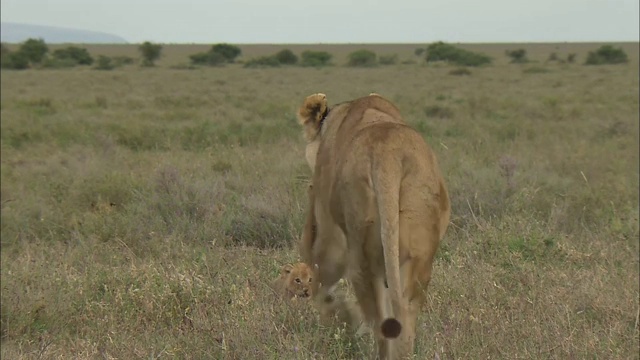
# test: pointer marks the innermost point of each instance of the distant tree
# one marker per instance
(315, 58)
(34, 50)
(518, 56)
(440, 51)
(13, 59)
(150, 53)
(79, 55)
(606, 54)
(286, 57)
(228, 51)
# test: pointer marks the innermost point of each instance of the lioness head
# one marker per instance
(311, 115)
(295, 280)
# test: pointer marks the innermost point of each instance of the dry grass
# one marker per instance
(145, 211)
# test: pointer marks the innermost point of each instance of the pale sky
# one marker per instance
(335, 21)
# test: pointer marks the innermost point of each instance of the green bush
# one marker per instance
(518, 56)
(263, 61)
(34, 50)
(389, 59)
(217, 55)
(150, 53)
(73, 54)
(229, 52)
(286, 57)
(362, 58)
(571, 58)
(209, 58)
(606, 54)
(440, 51)
(315, 58)
(13, 60)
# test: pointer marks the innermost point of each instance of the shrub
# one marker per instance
(362, 58)
(518, 56)
(315, 58)
(104, 63)
(606, 54)
(209, 58)
(440, 51)
(150, 53)
(419, 51)
(389, 59)
(12, 60)
(553, 57)
(263, 61)
(286, 57)
(229, 52)
(79, 56)
(571, 58)
(34, 50)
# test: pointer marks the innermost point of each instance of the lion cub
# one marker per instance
(294, 281)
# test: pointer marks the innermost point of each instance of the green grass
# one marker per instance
(145, 211)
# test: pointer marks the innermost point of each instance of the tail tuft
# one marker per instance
(391, 328)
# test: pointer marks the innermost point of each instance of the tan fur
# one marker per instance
(378, 210)
(294, 281)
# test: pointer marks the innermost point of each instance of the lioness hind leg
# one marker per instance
(364, 290)
(329, 262)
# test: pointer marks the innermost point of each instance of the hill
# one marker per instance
(15, 33)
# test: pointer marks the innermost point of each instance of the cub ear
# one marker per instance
(311, 113)
(287, 269)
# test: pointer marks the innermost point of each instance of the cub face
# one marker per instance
(296, 280)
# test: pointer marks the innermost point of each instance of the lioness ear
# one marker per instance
(311, 114)
(287, 269)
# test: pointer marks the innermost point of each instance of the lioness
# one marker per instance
(294, 281)
(378, 208)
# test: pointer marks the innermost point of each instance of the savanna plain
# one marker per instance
(146, 210)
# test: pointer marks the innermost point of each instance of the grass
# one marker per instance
(145, 211)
